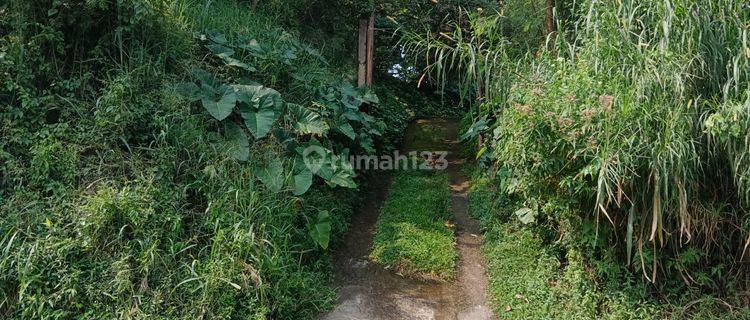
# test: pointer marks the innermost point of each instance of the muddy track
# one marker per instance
(369, 291)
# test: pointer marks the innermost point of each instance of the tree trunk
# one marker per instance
(366, 51)
(370, 48)
(362, 53)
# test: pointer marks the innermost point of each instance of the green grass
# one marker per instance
(119, 199)
(428, 136)
(412, 235)
(529, 278)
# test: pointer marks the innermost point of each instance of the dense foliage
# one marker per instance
(150, 157)
(622, 136)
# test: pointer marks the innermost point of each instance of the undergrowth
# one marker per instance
(622, 135)
(121, 197)
(535, 276)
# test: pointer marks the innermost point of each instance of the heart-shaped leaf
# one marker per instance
(306, 121)
(219, 103)
(259, 122)
(302, 182)
(320, 229)
(239, 145)
(272, 176)
(526, 215)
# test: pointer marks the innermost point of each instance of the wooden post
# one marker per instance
(370, 47)
(362, 53)
(366, 51)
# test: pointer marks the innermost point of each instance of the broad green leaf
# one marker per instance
(526, 215)
(220, 51)
(306, 121)
(344, 179)
(232, 62)
(259, 122)
(272, 175)
(271, 99)
(320, 229)
(249, 94)
(221, 103)
(260, 97)
(325, 171)
(354, 115)
(475, 129)
(217, 37)
(189, 91)
(347, 130)
(239, 145)
(302, 182)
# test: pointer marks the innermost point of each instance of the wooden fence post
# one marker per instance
(362, 53)
(370, 48)
(366, 51)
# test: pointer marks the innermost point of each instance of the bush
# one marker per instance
(120, 198)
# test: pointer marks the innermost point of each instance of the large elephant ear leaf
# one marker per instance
(271, 99)
(302, 182)
(258, 121)
(239, 145)
(219, 103)
(189, 90)
(320, 229)
(260, 108)
(306, 121)
(302, 177)
(370, 97)
(272, 176)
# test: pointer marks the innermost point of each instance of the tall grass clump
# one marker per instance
(628, 140)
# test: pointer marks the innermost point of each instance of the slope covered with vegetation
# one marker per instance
(150, 153)
(617, 139)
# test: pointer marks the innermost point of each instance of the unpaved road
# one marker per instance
(369, 291)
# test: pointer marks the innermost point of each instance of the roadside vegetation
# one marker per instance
(616, 139)
(413, 235)
(150, 157)
(151, 153)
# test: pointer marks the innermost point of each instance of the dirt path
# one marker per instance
(369, 291)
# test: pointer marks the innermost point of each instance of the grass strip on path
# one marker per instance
(412, 233)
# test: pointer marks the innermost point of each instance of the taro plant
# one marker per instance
(259, 110)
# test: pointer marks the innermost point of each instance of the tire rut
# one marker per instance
(370, 291)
